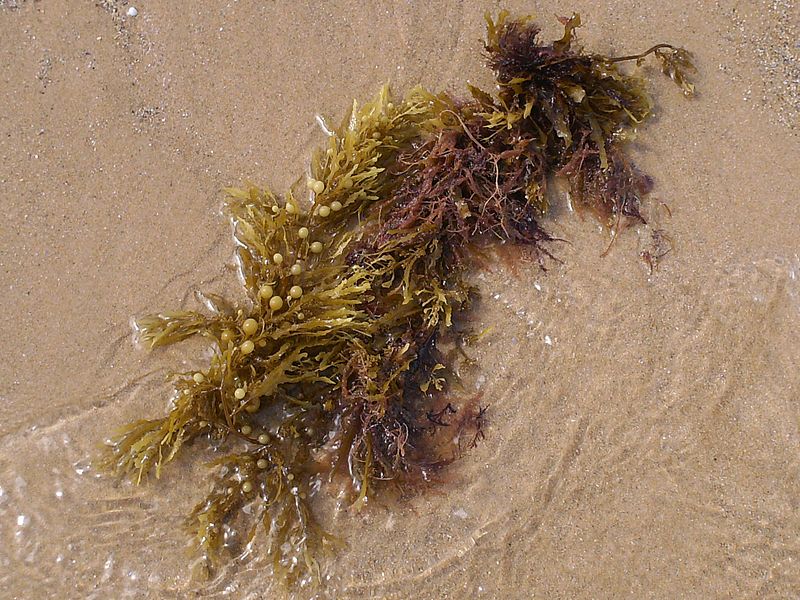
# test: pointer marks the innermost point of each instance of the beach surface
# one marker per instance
(643, 430)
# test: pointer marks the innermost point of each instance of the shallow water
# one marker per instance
(643, 428)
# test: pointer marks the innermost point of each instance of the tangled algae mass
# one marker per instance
(335, 377)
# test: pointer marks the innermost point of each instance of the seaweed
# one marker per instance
(332, 375)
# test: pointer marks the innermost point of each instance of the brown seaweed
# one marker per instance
(332, 376)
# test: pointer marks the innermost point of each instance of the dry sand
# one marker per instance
(643, 437)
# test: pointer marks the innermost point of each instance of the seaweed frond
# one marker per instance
(167, 328)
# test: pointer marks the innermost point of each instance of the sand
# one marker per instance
(643, 428)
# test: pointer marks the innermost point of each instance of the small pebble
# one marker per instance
(132, 12)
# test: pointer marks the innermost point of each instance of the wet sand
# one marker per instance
(643, 436)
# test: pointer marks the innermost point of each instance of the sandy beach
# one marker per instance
(643, 433)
